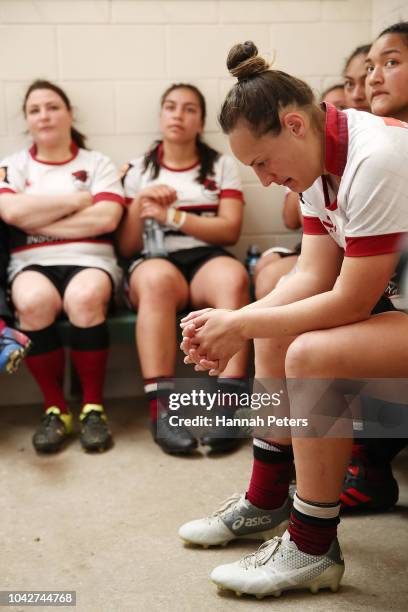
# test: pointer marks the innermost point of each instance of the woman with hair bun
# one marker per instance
(61, 203)
(195, 194)
(350, 168)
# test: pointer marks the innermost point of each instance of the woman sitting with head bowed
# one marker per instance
(317, 326)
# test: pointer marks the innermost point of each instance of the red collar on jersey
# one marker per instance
(336, 140)
(73, 148)
(160, 154)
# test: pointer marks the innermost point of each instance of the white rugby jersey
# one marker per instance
(85, 170)
(192, 197)
(368, 212)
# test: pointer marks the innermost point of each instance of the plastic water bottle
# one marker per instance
(153, 239)
(252, 257)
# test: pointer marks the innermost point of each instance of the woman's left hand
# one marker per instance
(210, 338)
(149, 209)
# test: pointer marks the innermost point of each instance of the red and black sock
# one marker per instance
(313, 525)
(271, 473)
(157, 392)
(89, 352)
(46, 363)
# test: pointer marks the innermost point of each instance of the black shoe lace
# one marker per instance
(94, 419)
(50, 419)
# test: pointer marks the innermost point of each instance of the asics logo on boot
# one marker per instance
(256, 521)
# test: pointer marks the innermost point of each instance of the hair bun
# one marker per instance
(244, 62)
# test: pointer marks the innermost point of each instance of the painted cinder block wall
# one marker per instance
(115, 57)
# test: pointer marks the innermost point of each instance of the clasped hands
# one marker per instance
(210, 338)
(154, 201)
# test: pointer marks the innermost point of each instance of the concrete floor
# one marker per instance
(106, 526)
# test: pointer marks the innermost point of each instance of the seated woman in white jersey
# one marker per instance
(350, 168)
(195, 193)
(62, 202)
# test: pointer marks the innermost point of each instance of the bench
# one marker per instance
(121, 328)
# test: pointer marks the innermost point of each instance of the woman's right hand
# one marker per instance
(162, 194)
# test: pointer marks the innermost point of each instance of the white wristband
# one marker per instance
(175, 218)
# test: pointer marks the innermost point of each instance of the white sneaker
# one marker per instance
(236, 518)
(278, 565)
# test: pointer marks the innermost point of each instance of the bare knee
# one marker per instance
(265, 282)
(305, 356)
(270, 354)
(87, 305)
(36, 307)
(235, 289)
(158, 288)
(265, 261)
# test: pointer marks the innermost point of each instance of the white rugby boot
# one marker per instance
(236, 518)
(278, 565)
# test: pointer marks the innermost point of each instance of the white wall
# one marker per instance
(115, 57)
(387, 12)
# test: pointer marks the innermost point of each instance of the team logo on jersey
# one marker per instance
(81, 179)
(80, 176)
(3, 174)
(210, 185)
(210, 188)
(123, 172)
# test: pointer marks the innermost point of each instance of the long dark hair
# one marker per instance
(77, 136)
(206, 154)
(260, 93)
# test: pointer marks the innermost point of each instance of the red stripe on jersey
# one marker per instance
(160, 153)
(329, 205)
(336, 140)
(73, 148)
(57, 243)
(374, 245)
(110, 197)
(313, 226)
(6, 190)
(232, 193)
(128, 201)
